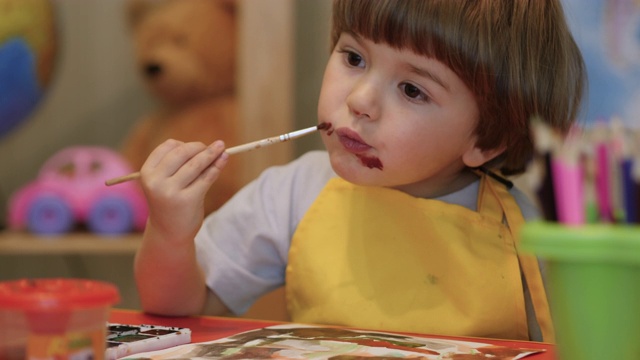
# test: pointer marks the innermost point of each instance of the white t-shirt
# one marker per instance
(243, 247)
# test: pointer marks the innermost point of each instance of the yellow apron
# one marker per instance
(378, 258)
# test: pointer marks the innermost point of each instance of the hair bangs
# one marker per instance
(429, 28)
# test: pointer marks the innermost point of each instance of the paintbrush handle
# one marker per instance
(253, 145)
(235, 150)
(270, 141)
(122, 179)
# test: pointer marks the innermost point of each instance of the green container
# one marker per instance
(593, 283)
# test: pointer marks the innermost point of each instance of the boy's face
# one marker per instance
(400, 120)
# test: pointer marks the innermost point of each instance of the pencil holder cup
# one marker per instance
(54, 318)
(593, 284)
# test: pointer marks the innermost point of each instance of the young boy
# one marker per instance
(397, 226)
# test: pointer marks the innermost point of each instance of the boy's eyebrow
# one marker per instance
(417, 70)
(428, 74)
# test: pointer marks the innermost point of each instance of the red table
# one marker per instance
(207, 328)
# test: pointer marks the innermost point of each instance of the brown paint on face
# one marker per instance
(370, 161)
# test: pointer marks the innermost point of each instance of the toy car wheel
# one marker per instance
(111, 215)
(49, 215)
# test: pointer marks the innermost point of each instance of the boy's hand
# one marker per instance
(175, 179)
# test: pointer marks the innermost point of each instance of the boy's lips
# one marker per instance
(351, 141)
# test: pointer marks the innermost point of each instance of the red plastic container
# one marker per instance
(54, 318)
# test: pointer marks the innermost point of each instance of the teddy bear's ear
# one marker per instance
(136, 10)
(229, 5)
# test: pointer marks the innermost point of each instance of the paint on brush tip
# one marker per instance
(326, 126)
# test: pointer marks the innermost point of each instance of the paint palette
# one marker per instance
(124, 340)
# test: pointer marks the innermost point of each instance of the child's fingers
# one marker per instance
(203, 182)
(212, 173)
(198, 165)
(171, 156)
(221, 161)
(161, 151)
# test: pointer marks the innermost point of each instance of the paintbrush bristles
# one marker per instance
(241, 148)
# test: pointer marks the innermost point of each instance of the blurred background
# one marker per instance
(95, 94)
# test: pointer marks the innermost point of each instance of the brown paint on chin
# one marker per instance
(370, 161)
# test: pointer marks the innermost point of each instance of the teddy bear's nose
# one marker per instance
(152, 69)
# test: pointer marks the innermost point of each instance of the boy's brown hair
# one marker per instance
(518, 57)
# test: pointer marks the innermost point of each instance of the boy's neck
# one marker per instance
(463, 179)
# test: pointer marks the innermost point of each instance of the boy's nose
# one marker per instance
(364, 99)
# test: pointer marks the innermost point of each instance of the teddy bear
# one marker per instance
(185, 52)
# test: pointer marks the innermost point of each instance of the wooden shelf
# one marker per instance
(23, 243)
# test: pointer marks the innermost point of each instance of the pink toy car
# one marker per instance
(70, 190)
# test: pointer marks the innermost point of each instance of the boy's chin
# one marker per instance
(353, 171)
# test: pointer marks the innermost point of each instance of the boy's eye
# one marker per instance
(354, 59)
(412, 91)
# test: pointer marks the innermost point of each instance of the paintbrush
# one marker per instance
(242, 148)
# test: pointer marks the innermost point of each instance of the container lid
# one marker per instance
(56, 294)
(601, 243)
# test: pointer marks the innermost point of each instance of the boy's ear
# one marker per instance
(476, 157)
